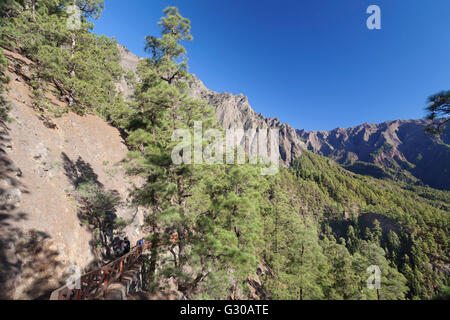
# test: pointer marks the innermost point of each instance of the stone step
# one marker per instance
(129, 283)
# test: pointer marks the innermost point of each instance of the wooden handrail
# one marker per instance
(95, 282)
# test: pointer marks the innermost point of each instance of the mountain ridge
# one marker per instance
(389, 145)
(400, 145)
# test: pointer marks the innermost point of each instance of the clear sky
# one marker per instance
(311, 63)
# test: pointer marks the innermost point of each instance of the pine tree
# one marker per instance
(377, 232)
(393, 283)
(438, 111)
(342, 274)
(352, 240)
(83, 66)
(293, 250)
(227, 222)
(394, 246)
(162, 106)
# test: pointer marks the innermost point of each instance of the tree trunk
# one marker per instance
(150, 273)
(181, 262)
(72, 69)
(33, 9)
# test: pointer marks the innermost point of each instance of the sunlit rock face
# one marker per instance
(234, 111)
(41, 163)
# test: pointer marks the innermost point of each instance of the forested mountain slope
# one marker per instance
(353, 218)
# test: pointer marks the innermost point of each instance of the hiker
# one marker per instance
(117, 246)
(126, 245)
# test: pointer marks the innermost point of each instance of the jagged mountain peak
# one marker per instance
(234, 111)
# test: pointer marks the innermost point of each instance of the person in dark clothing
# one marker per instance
(121, 248)
(117, 247)
(126, 245)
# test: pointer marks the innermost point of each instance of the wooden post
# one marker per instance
(78, 294)
(105, 280)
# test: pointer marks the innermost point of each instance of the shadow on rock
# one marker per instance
(29, 265)
(97, 207)
(79, 172)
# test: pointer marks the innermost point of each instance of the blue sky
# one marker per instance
(312, 64)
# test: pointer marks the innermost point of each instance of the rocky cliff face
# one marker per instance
(41, 233)
(400, 145)
(128, 62)
(232, 111)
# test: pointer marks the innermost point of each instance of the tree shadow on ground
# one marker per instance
(41, 269)
(96, 207)
(79, 172)
(28, 259)
(30, 265)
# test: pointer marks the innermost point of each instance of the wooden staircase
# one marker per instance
(113, 281)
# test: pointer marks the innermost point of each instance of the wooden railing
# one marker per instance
(95, 283)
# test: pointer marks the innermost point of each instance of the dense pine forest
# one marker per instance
(308, 232)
